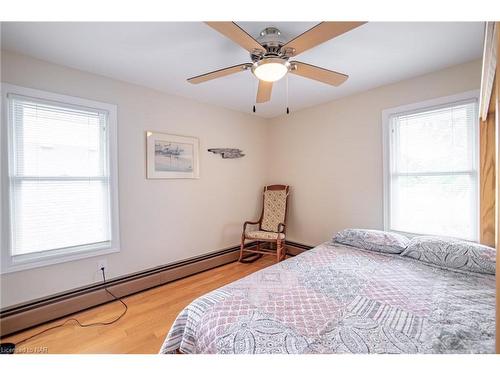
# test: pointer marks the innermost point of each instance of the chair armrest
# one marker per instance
(281, 227)
(249, 222)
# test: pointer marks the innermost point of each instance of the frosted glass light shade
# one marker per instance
(270, 69)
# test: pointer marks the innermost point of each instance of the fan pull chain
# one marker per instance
(255, 95)
(287, 108)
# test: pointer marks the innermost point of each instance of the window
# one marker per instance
(61, 178)
(431, 182)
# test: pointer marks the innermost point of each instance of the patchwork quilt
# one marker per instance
(340, 299)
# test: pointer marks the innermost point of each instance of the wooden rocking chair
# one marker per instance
(271, 228)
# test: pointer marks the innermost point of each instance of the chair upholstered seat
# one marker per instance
(263, 235)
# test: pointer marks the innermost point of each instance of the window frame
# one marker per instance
(10, 263)
(426, 105)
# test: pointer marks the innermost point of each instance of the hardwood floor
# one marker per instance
(144, 327)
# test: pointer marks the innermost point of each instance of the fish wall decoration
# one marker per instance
(228, 153)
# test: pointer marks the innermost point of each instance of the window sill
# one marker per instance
(12, 265)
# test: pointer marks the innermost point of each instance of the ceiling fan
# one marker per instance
(270, 55)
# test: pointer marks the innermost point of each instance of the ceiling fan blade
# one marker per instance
(264, 91)
(319, 74)
(318, 34)
(219, 73)
(232, 31)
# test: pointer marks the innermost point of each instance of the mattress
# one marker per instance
(341, 299)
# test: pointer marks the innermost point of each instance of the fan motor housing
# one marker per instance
(270, 38)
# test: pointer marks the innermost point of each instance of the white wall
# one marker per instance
(331, 155)
(161, 221)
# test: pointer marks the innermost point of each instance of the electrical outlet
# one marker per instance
(102, 263)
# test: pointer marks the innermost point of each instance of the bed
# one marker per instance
(342, 299)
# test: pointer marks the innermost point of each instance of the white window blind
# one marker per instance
(59, 177)
(433, 171)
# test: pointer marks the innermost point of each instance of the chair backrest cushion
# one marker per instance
(274, 209)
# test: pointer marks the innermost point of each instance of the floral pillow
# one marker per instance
(452, 253)
(374, 240)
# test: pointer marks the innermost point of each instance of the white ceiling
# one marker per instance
(163, 55)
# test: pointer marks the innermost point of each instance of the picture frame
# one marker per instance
(171, 156)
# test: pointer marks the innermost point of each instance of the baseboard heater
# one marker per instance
(20, 317)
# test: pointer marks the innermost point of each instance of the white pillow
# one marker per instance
(452, 253)
(374, 240)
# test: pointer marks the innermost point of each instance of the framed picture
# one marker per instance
(171, 156)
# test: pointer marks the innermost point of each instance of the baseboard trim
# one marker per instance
(23, 316)
(299, 247)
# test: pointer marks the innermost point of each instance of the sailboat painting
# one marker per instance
(171, 156)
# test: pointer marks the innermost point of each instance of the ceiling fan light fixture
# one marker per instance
(271, 69)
